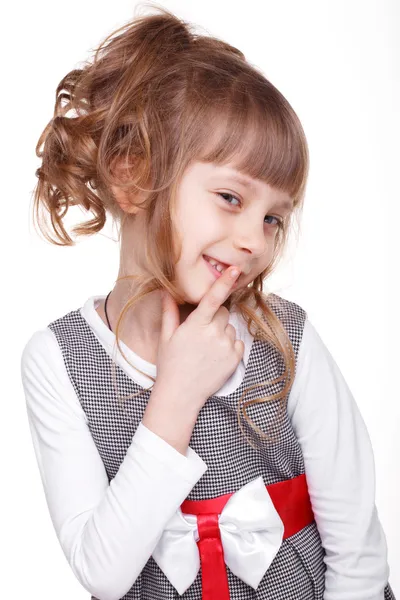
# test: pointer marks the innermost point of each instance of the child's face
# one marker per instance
(238, 230)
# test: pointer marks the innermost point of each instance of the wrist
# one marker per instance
(172, 404)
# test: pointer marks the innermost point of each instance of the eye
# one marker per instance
(279, 221)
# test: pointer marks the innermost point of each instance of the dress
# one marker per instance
(297, 570)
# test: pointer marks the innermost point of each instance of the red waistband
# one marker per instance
(290, 499)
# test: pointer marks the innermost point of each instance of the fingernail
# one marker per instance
(234, 273)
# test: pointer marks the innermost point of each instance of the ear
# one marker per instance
(127, 201)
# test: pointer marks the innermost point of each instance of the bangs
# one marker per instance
(257, 135)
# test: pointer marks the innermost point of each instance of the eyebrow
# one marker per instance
(247, 183)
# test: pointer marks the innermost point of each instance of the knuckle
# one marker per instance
(214, 329)
(224, 311)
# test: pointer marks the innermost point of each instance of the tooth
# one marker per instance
(216, 265)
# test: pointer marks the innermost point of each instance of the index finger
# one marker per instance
(216, 296)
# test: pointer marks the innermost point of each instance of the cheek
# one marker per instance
(200, 234)
(193, 219)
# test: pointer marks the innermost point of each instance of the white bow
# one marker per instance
(251, 535)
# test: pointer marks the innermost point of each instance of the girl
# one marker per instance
(209, 447)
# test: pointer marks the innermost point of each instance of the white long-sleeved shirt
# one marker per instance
(109, 531)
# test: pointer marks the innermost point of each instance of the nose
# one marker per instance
(251, 237)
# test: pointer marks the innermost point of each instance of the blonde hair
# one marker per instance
(157, 96)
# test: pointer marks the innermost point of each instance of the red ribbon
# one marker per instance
(290, 499)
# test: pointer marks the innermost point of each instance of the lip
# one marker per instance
(243, 271)
(226, 265)
(216, 273)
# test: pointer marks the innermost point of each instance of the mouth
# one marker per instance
(208, 258)
(244, 271)
(215, 272)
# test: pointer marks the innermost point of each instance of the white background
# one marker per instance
(337, 62)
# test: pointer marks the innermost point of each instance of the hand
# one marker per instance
(195, 358)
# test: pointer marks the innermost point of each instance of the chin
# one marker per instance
(192, 294)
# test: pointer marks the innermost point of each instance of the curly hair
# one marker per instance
(156, 96)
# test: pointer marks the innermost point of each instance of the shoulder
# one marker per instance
(283, 307)
(39, 347)
(73, 334)
(289, 312)
(291, 315)
(71, 320)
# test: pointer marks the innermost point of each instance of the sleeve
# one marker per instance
(340, 471)
(107, 531)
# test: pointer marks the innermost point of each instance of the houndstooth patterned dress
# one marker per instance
(298, 569)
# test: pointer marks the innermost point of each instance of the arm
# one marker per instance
(340, 472)
(107, 531)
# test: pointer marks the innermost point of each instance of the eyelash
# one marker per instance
(279, 223)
